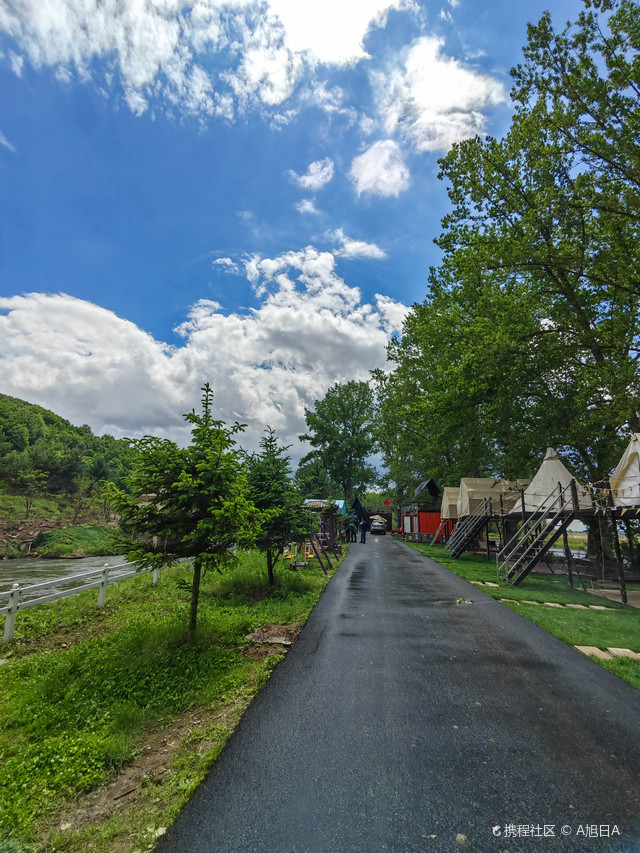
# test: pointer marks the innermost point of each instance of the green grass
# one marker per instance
(82, 688)
(50, 507)
(81, 540)
(617, 626)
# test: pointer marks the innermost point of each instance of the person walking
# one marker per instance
(363, 531)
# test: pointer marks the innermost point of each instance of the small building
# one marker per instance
(422, 525)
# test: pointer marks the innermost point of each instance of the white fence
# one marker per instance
(30, 596)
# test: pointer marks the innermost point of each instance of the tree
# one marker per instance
(274, 494)
(313, 481)
(340, 431)
(29, 484)
(529, 334)
(188, 502)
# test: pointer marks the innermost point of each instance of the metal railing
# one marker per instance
(535, 529)
(19, 598)
(467, 527)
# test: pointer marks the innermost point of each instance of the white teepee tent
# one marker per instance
(625, 480)
(545, 483)
(449, 506)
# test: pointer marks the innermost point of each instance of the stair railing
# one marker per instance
(466, 526)
(554, 503)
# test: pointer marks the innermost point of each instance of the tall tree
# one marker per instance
(340, 430)
(188, 502)
(313, 481)
(273, 492)
(529, 335)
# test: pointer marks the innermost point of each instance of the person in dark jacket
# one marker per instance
(363, 530)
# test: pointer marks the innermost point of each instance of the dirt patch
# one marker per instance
(155, 755)
(271, 639)
(280, 635)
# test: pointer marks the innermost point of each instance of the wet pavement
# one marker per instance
(415, 713)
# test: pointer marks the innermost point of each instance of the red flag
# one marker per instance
(387, 503)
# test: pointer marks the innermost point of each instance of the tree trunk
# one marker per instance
(195, 595)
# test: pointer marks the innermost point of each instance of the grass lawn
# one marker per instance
(616, 627)
(85, 692)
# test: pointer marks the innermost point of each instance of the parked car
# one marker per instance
(379, 527)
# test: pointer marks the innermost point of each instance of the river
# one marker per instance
(33, 570)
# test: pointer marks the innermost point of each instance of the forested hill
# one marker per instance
(40, 447)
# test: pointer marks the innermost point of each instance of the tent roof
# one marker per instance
(473, 490)
(625, 480)
(551, 472)
(449, 506)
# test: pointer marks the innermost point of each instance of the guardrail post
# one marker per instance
(10, 620)
(102, 595)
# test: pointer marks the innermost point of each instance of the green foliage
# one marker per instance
(529, 335)
(274, 494)
(82, 686)
(341, 433)
(29, 484)
(313, 480)
(86, 540)
(188, 502)
(35, 443)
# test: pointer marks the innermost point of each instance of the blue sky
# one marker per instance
(242, 193)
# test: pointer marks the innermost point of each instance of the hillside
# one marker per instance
(51, 472)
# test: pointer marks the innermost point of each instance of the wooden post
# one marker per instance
(102, 595)
(568, 556)
(487, 526)
(616, 544)
(574, 495)
(10, 618)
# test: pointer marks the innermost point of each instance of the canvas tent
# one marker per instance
(473, 490)
(449, 506)
(537, 495)
(625, 480)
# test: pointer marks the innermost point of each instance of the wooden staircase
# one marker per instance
(467, 528)
(537, 534)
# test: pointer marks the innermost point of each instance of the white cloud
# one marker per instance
(319, 173)
(348, 248)
(5, 142)
(16, 62)
(230, 265)
(434, 100)
(310, 329)
(380, 170)
(160, 52)
(332, 30)
(307, 206)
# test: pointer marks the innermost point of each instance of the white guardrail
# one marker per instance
(19, 598)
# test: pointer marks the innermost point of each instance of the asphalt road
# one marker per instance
(404, 721)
